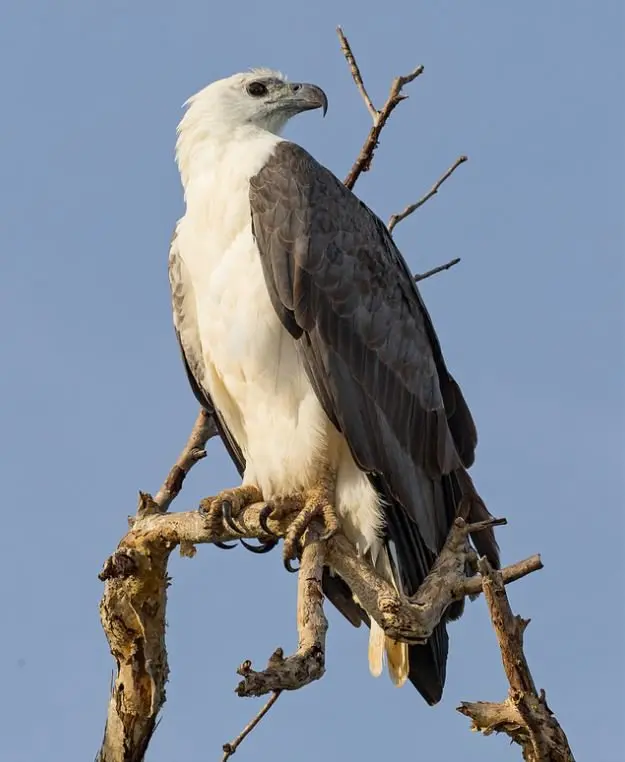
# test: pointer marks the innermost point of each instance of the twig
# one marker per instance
(397, 218)
(435, 270)
(524, 716)
(203, 430)
(230, 748)
(355, 70)
(380, 117)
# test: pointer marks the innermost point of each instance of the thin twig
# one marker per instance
(435, 270)
(397, 218)
(203, 429)
(380, 117)
(230, 748)
(355, 70)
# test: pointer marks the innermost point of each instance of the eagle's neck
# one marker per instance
(205, 154)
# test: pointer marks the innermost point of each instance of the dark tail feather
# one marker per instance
(428, 666)
(412, 559)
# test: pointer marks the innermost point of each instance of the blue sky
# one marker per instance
(95, 404)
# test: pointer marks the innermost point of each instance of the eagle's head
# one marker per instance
(262, 98)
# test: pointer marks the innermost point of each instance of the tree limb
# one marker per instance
(435, 270)
(133, 609)
(230, 747)
(397, 218)
(132, 612)
(308, 662)
(203, 429)
(524, 715)
(379, 116)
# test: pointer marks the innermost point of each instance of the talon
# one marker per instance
(288, 565)
(263, 516)
(226, 512)
(263, 547)
(225, 545)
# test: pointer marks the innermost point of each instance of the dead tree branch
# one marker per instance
(436, 270)
(397, 218)
(203, 430)
(230, 747)
(524, 715)
(133, 609)
(132, 612)
(308, 662)
(379, 116)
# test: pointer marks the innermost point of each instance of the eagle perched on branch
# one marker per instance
(303, 331)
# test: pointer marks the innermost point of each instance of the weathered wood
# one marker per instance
(524, 716)
(308, 662)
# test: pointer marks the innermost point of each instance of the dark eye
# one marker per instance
(257, 89)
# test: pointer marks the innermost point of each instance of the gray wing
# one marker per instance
(188, 335)
(341, 287)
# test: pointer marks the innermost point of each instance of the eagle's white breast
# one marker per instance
(252, 369)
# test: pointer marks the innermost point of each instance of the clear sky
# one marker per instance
(95, 404)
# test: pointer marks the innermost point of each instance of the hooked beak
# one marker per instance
(302, 96)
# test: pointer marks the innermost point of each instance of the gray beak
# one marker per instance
(306, 97)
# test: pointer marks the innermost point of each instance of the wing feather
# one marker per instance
(340, 286)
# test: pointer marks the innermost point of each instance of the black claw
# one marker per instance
(263, 547)
(288, 565)
(225, 545)
(263, 516)
(226, 512)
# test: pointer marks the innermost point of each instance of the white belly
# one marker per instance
(254, 375)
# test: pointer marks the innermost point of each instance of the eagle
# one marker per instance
(304, 335)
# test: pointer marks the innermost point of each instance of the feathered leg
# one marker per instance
(318, 504)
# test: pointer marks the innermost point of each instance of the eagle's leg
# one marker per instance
(318, 504)
(228, 504)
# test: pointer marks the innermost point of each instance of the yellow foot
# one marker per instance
(318, 505)
(226, 506)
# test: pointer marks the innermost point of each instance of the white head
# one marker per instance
(230, 108)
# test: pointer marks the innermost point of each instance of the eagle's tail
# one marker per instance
(381, 646)
(397, 656)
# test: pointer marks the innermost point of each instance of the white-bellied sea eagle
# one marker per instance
(303, 331)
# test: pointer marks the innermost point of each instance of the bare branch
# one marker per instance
(524, 716)
(203, 430)
(132, 611)
(380, 117)
(355, 70)
(397, 218)
(231, 747)
(435, 270)
(133, 608)
(308, 662)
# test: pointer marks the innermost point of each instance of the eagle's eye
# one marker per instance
(256, 89)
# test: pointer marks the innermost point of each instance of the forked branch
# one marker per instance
(524, 715)
(308, 662)
(379, 116)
